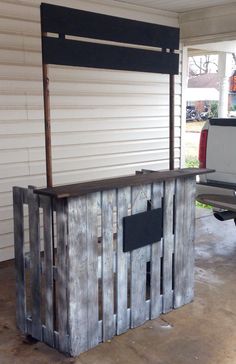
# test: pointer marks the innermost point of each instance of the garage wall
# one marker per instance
(104, 123)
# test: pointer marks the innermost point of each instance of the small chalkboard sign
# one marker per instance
(142, 229)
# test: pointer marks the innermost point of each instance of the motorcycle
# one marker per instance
(192, 114)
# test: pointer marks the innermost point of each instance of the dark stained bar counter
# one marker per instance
(83, 188)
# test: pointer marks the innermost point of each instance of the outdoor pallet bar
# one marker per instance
(85, 279)
(103, 256)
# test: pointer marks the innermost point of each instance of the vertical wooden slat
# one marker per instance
(184, 241)
(168, 243)
(77, 275)
(180, 248)
(190, 190)
(48, 259)
(19, 258)
(61, 219)
(92, 247)
(140, 195)
(108, 200)
(123, 201)
(35, 263)
(156, 253)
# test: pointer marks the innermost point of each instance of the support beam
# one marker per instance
(172, 123)
(224, 73)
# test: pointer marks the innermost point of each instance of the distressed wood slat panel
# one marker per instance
(184, 242)
(78, 275)
(123, 202)
(61, 262)
(180, 245)
(108, 203)
(168, 244)
(138, 269)
(19, 258)
(93, 200)
(189, 218)
(35, 263)
(156, 254)
(48, 261)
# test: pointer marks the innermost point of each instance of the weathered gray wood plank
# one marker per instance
(190, 189)
(93, 200)
(184, 241)
(140, 195)
(156, 254)
(61, 287)
(35, 263)
(123, 202)
(48, 260)
(77, 275)
(180, 248)
(108, 202)
(19, 258)
(168, 244)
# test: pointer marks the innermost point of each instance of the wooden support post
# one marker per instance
(47, 116)
(172, 122)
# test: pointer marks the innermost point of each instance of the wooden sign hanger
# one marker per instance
(160, 57)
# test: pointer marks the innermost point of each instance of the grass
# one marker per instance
(192, 162)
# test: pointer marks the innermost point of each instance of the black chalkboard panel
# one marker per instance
(142, 229)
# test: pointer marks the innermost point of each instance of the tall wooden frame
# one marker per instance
(59, 50)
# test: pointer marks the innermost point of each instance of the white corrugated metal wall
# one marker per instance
(105, 123)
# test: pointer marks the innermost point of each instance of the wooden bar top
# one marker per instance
(83, 188)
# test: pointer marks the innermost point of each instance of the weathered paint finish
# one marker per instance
(123, 202)
(184, 242)
(138, 269)
(19, 258)
(35, 264)
(156, 254)
(93, 201)
(108, 204)
(77, 267)
(168, 244)
(48, 262)
(62, 264)
(89, 252)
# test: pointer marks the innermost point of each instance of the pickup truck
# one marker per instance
(217, 150)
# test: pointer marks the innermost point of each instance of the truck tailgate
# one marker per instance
(221, 150)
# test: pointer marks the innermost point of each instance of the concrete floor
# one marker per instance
(201, 332)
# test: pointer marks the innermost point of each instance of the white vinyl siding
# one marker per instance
(104, 123)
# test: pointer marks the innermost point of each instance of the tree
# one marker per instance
(199, 65)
